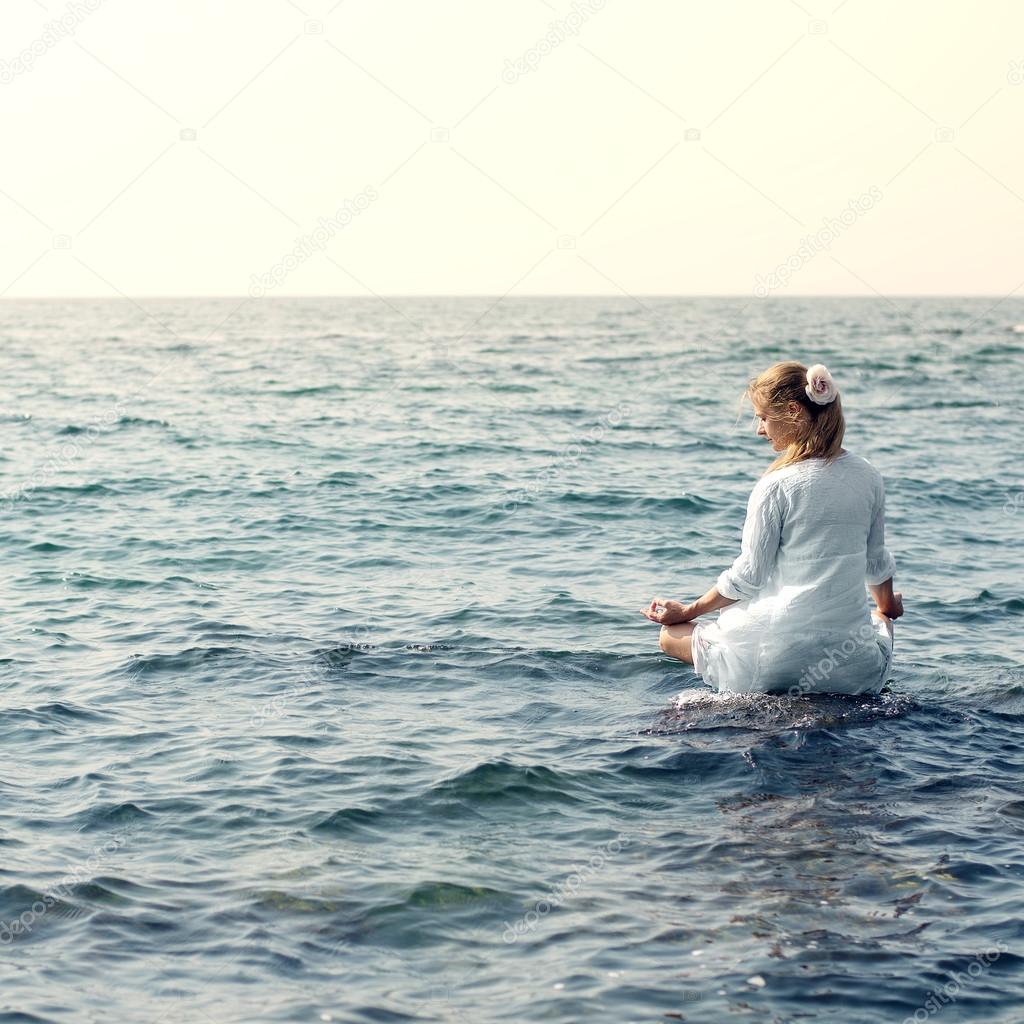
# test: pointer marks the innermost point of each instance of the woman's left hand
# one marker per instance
(667, 613)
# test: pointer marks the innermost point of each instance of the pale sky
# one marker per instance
(511, 146)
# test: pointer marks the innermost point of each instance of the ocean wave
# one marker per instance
(141, 421)
(345, 478)
(144, 665)
(318, 389)
(353, 821)
(490, 786)
(53, 712)
(29, 905)
(102, 817)
(619, 501)
(444, 895)
(494, 781)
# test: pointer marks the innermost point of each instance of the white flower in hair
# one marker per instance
(820, 387)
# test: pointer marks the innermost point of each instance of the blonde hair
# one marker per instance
(821, 436)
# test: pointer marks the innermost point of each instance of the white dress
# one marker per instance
(813, 537)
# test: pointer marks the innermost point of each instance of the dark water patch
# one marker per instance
(525, 389)
(502, 781)
(691, 503)
(47, 547)
(53, 713)
(985, 606)
(17, 900)
(954, 403)
(319, 389)
(355, 822)
(991, 352)
(62, 491)
(976, 493)
(91, 581)
(484, 789)
(612, 502)
(144, 665)
(670, 765)
(440, 895)
(128, 422)
(702, 708)
(1014, 809)
(345, 478)
(105, 816)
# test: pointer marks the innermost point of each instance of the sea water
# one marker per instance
(326, 694)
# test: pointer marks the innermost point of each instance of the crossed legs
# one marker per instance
(675, 641)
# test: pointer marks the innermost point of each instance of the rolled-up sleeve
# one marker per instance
(880, 563)
(762, 532)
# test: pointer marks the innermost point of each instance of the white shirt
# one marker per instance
(813, 536)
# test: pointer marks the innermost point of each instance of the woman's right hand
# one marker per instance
(667, 613)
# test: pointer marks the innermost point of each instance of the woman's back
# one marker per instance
(815, 536)
(825, 552)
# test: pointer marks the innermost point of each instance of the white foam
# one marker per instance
(699, 695)
(703, 697)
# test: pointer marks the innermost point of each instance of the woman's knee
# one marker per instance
(675, 640)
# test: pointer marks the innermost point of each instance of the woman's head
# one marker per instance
(790, 419)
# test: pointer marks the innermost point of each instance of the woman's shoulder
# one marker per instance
(780, 478)
(796, 475)
(846, 460)
(771, 485)
(859, 463)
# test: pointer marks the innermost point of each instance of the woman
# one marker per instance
(795, 616)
